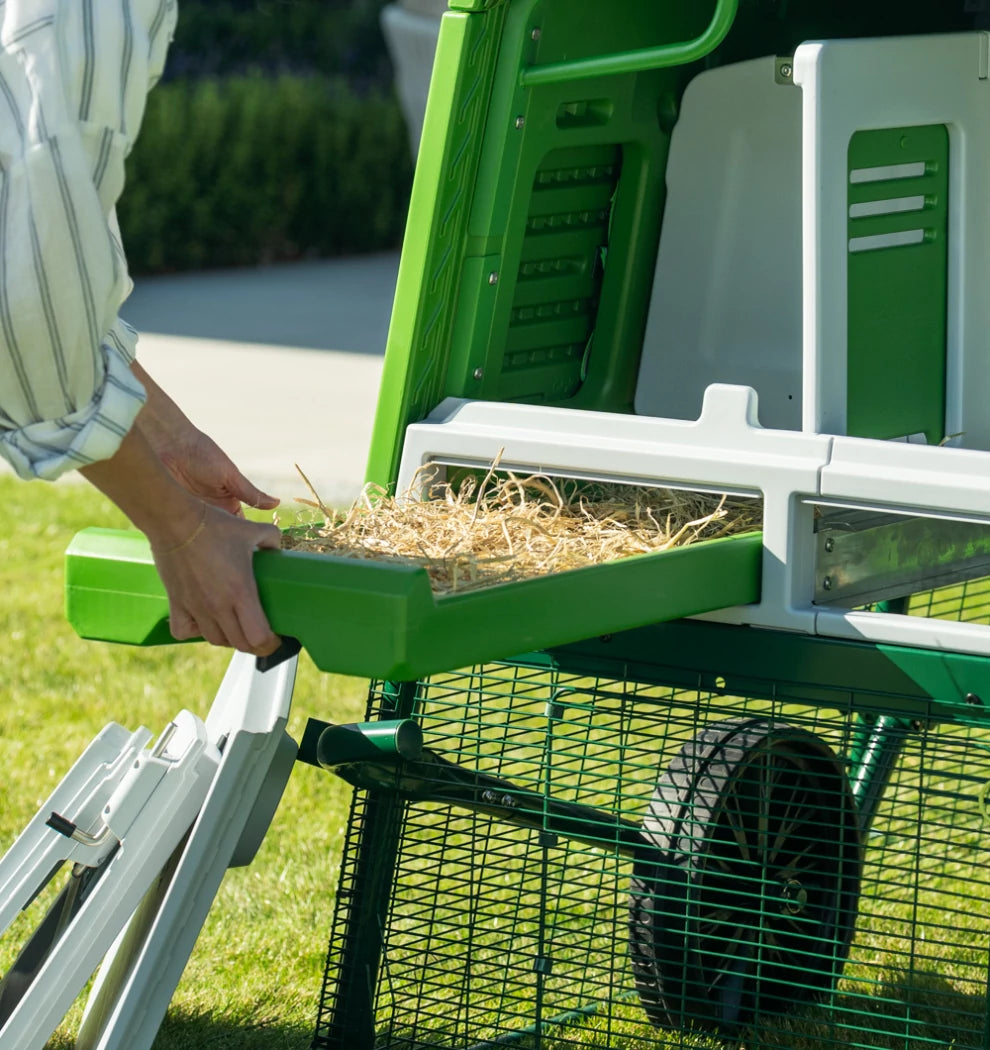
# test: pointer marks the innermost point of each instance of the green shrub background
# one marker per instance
(274, 135)
(339, 37)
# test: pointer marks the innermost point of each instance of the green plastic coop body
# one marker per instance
(730, 795)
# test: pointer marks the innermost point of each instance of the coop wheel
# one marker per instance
(745, 900)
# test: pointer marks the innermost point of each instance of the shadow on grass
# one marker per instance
(208, 1032)
(915, 1010)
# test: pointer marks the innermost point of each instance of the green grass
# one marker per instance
(254, 976)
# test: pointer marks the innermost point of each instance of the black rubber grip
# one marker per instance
(289, 648)
(60, 824)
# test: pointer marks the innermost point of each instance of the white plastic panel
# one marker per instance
(411, 37)
(726, 302)
(853, 85)
(954, 482)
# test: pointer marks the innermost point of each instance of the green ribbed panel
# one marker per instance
(557, 291)
(897, 291)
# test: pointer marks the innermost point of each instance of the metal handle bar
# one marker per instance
(660, 57)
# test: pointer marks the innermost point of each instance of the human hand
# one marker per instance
(193, 458)
(210, 582)
(203, 554)
(202, 468)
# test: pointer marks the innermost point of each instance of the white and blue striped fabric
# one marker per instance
(74, 75)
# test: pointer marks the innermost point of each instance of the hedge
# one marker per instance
(254, 169)
(330, 37)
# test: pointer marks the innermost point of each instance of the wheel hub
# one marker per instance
(794, 896)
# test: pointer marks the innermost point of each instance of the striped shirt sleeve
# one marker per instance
(74, 75)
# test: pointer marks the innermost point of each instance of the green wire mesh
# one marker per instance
(967, 602)
(761, 912)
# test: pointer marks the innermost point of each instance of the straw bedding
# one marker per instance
(509, 528)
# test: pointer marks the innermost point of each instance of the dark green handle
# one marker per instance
(369, 742)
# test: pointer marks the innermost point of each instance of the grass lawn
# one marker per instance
(254, 977)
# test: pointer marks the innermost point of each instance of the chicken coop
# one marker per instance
(730, 794)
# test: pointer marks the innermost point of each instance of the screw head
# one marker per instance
(786, 69)
(493, 277)
(520, 122)
(479, 373)
(827, 583)
(829, 545)
(536, 33)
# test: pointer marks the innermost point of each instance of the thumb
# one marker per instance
(268, 537)
(255, 497)
(249, 493)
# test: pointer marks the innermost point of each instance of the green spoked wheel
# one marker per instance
(747, 901)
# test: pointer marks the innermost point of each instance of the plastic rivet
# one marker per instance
(493, 277)
(535, 34)
(520, 123)
(479, 373)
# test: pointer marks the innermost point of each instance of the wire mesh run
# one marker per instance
(968, 602)
(620, 864)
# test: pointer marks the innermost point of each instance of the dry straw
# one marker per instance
(511, 528)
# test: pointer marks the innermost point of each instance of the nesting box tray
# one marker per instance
(379, 619)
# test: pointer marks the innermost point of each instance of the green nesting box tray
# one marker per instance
(381, 620)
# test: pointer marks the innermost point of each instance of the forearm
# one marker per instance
(136, 480)
(161, 420)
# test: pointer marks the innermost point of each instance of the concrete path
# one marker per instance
(280, 365)
(331, 304)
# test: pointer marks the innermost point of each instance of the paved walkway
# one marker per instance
(280, 365)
